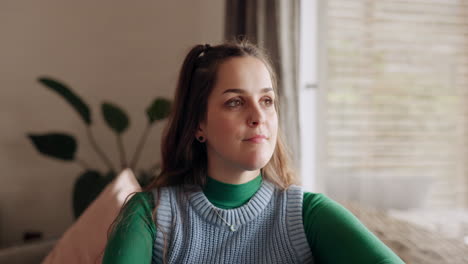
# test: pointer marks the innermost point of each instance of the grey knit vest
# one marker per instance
(269, 228)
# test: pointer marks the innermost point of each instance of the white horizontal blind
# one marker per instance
(397, 85)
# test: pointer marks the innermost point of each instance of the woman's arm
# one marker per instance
(133, 237)
(335, 235)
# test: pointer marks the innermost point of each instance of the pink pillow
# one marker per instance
(85, 240)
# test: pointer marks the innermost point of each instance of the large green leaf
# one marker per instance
(75, 101)
(57, 145)
(115, 117)
(86, 189)
(158, 110)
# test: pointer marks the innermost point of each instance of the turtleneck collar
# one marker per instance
(228, 196)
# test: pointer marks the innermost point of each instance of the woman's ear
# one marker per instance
(199, 132)
(200, 135)
(201, 127)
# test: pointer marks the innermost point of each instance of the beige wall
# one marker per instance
(125, 52)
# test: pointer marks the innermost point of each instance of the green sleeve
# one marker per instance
(133, 236)
(335, 235)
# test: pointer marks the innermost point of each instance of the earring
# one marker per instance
(201, 139)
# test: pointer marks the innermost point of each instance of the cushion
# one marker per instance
(85, 240)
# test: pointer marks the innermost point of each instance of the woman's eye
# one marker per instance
(234, 103)
(268, 101)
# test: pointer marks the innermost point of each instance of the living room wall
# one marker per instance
(124, 52)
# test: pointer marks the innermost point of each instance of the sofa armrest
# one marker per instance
(27, 254)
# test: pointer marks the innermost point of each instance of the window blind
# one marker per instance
(396, 103)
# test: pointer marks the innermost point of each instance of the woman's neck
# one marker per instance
(228, 196)
(232, 175)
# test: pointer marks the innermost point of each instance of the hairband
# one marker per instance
(204, 50)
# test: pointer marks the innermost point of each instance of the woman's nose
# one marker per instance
(256, 116)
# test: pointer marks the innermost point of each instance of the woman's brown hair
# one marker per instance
(184, 159)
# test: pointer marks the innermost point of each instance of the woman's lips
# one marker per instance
(257, 139)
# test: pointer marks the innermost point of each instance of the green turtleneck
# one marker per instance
(228, 196)
(333, 233)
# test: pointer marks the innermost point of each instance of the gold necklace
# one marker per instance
(231, 226)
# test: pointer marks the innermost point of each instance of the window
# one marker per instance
(396, 104)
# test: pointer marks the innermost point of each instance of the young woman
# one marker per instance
(226, 193)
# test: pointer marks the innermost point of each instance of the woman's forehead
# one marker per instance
(243, 75)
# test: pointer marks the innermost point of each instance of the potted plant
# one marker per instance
(63, 146)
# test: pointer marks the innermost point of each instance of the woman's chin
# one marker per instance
(255, 164)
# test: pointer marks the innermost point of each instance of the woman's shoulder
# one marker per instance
(316, 199)
(320, 201)
(140, 202)
(309, 198)
(137, 214)
(142, 197)
(145, 200)
(319, 209)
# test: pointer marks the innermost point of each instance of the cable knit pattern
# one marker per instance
(269, 228)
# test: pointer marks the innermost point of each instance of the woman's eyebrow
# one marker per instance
(241, 91)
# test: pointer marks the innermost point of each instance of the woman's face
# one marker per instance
(241, 123)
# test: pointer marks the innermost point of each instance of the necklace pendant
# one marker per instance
(233, 228)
